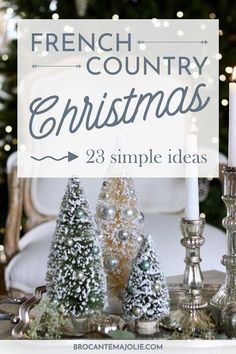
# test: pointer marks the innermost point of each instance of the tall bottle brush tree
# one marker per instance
(121, 223)
(75, 276)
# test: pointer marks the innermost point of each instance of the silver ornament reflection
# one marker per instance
(55, 302)
(128, 213)
(111, 263)
(156, 287)
(140, 238)
(68, 242)
(14, 319)
(132, 192)
(95, 250)
(79, 213)
(105, 195)
(122, 235)
(136, 311)
(229, 319)
(107, 212)
(80, 275)
(144, 265)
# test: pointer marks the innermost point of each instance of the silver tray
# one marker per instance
(175, 289)
(68, 329)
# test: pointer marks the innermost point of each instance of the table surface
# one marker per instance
(211, 277)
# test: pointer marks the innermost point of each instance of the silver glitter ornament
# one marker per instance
(128, 213)
(131, 192)
(156, 287)
(144, 265)
(105, 195)
(229, 319)
(111, 263)
(95, 250)
(55, 302)
(130, 290)
(80, 275)
(140, 238)
(107, 212)
(136, 311)
(104, 323)
(122, 235)
(79, 213)
(68, 242)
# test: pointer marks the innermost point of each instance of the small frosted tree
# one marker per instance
(75, 276)
(146, 296)
(121, 223)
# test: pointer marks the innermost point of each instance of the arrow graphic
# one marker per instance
(70, 157)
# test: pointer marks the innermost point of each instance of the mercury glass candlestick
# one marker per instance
(191, 317)
(227, 292)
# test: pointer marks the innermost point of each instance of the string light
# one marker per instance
(180, 14)
(166, 24)
(195, 75)
(203, 215)
(203, 26)
(156, 23)
(180, 33)
(222, 77)
(10, 11)
(212, 15)
(68, 29)
(115, 17)
(142, 46)
(4, 57)
(219, 56)
(7, 147)
(55, 16)
(224, 102)
(221, 32)
(14, 141)
(53, 5)
(22, 147)
(215, 140)
(8, 129)
(229, 70)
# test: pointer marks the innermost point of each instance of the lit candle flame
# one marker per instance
(234, 75)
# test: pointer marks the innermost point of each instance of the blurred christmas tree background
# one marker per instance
(223, 10)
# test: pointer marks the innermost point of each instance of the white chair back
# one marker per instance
(156, 195)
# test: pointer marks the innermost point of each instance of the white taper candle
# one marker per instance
(232, 121)
(191, 183)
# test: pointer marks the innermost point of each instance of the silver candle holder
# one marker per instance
(227, 292)
(191, 318)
